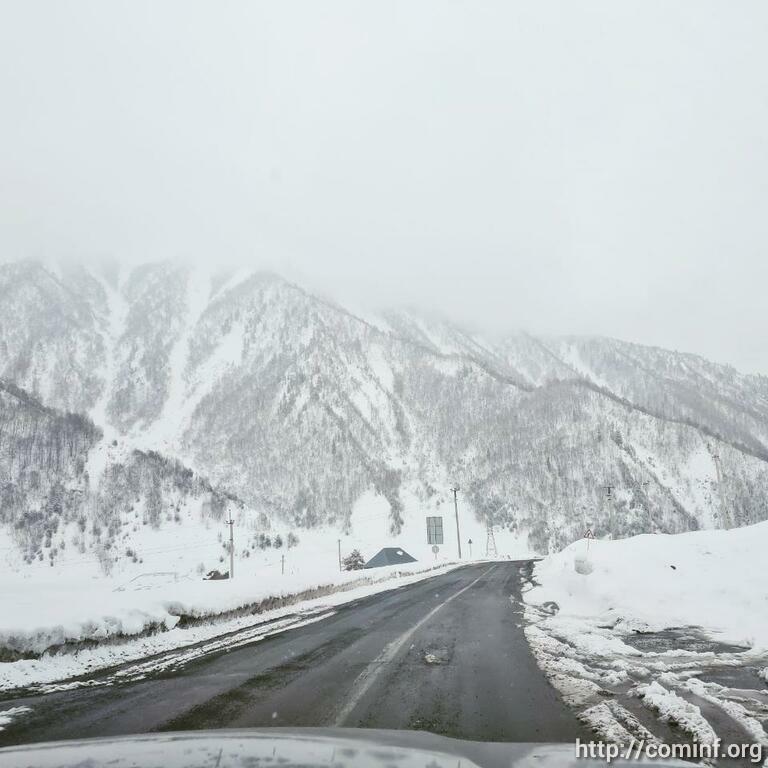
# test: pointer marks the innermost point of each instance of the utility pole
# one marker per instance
(282, 564)
(339, 542)
(455, 489)
(231, 524)
(719, 473)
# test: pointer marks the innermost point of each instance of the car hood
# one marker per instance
(284, 748)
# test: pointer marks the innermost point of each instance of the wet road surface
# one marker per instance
(446, 655)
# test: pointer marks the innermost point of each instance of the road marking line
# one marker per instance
(368, 676)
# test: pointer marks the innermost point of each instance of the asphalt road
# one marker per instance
(446, 655)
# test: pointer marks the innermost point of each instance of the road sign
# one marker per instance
(435, 530)
(435, 548)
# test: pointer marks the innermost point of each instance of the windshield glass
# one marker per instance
(388, 367)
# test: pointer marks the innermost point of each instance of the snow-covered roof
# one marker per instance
(389, 556)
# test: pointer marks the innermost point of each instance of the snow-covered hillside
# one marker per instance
(209, 392)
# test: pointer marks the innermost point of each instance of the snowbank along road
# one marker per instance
(447, 655)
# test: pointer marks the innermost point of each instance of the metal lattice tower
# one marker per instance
(490, 541)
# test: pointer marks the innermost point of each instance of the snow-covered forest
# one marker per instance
(159, 396)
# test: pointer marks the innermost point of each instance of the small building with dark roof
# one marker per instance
(389, 556)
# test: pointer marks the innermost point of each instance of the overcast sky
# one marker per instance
(571, 167)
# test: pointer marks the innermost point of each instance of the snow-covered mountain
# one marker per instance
(51, 512)
(300, 412)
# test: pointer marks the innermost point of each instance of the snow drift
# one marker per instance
(713, 579)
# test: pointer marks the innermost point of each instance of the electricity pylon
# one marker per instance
(490, 541)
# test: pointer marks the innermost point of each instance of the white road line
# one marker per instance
(368, 676)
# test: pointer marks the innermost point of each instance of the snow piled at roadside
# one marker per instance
(712, 579)
(35, 619)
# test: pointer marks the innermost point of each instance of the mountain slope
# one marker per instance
(303, 410)
(52, 514)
